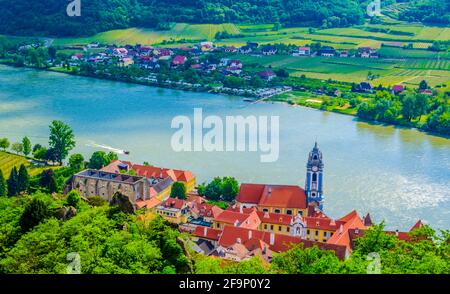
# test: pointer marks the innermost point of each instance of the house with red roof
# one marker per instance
(179, 60)
(173, 210)
(237, 219)
(397, 89)
(302, 51)
(282, 199)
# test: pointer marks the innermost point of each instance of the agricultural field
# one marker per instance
(8, 161)
(147, 36)
(387, 72)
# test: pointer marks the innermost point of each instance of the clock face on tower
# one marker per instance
(314, 168)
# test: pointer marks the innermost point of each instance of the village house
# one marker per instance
(173, 210)
(230, 49)
(267, 75)
(397, 89)
(120, 52)
(302, 51)
(126, 61)
(269, 50)
(327, 51)
(245, 49)
(179, 60)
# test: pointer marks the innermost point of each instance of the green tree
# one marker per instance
(3, 185)
(73, 198)
(213, 190)
(26, 146)
(13, 182)
(178, 190)
(98, 160)
(76, 162)
(4, 143)
(61, 139)
(23, 180)
(40, 153)
(48, 181)
(35, 212)
(17, 147)
(230, 188)
(300, 260)
(408, 107)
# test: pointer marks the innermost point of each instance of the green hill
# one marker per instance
(49, 18)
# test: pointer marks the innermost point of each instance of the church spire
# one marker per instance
(314, 177)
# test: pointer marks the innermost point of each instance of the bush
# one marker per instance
(73, 198)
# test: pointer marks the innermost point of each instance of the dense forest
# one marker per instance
(49, 18)
(435, 12)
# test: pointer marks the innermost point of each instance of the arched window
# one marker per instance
(314, 177)
(315, 157)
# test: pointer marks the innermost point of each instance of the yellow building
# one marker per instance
(173, 210)
(282, 199)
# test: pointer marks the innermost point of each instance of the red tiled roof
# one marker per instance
(209, 210)
(275, 218)
(207, 233)
(280, 242)
(150, 203)
(151, 171)
(341, 236)
(320, 223)
(418, 225)
(230, 217)
(282, 196)
(174, 203)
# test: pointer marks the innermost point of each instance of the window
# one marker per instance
(324, 234)
(314, 177)
(289, 212)
(277, 211)
(317, 233)
(218, 226)
(265, 210)
(307, 231)
(279, 228)
(265, 227)
(271, 227)
(288, 229)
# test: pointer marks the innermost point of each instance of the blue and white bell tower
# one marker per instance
(314, 177)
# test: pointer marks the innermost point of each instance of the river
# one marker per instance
(398, 175)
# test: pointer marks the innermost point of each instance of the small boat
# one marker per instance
(248, 100)
(126, 152)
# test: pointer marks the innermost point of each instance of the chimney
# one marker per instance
(249, 234)
(396, 232)
(266, 214)
(341, 229)
(238, 240)
(205, 231)
(272, 239)
(269, 191)
(241, 209)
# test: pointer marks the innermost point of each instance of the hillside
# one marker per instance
(30, 17)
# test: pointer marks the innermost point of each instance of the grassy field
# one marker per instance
(8, 161)
(356, 69)
(148, 36)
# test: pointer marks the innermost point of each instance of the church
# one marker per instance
(287, 199)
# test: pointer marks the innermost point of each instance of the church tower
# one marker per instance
(314, 177)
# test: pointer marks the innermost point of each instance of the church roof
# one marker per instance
(282, 196)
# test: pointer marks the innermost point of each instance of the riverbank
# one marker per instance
(274, 96)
